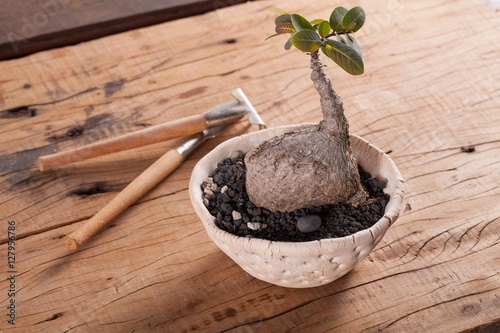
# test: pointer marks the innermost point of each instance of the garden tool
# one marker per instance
(220, 114)
(140, 186)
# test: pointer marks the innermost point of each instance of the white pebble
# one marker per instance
(236, 215)
(253, 225)
(224, 189)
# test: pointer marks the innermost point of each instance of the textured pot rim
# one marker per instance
(372, 234)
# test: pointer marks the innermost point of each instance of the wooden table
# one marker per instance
(431, 86)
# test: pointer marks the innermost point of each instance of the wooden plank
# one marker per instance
(424, 96)
(34, 25)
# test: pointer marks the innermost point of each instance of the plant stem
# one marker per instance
(334, 120)
(335, 125)
(337, 33)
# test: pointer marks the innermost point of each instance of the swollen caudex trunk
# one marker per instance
(310, 167)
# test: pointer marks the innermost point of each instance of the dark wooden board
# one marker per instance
(30, 26)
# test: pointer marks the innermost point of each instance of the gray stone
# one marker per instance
(309, 223)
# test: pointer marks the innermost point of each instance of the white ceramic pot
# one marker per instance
(303, 264)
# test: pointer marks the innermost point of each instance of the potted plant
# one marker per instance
(299, 167)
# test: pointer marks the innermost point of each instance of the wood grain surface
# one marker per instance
(431, 87)
(30, 26)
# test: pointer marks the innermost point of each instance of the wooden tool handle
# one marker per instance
(158, 133)
(136, 189)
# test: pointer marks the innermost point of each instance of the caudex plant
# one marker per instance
(312, 166)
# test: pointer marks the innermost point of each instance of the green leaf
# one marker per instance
(301, 23)
(324, 28)
(354, 19)
(288, 44)
(336, 18)
(353, 44)
(344, 56)
(283, 19)
(306, 40)
(277, 10)
(284, 28)
(271, 36)
(317, 21)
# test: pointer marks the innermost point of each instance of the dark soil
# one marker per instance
(227, 200)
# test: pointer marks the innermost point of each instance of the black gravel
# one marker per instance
(336, 220)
